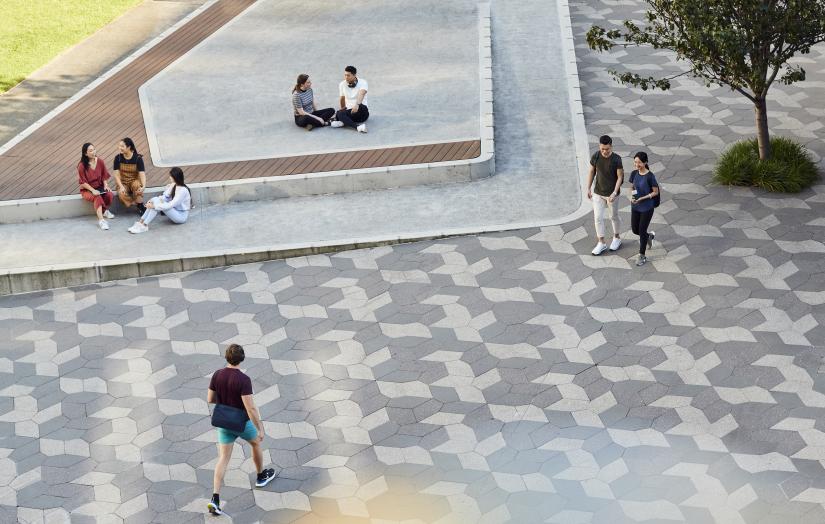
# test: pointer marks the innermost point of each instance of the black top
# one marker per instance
(136, 160)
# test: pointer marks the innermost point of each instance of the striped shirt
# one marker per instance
(302, 100)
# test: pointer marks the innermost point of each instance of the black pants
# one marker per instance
(639, 222)
(305, 120)
(351, 119)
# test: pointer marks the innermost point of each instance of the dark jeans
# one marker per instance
(305, 120)
(639, 222)
(351, 119)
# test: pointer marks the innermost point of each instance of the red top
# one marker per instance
(94, 177)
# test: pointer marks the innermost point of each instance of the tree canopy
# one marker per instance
(743, 44)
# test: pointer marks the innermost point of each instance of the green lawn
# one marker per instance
(32, 32)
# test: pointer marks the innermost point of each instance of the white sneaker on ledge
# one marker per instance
(362, 128)
(108, 214)
(615, 244)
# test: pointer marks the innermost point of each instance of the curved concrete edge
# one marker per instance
(300, 185)
(576, 111)
(105, 76)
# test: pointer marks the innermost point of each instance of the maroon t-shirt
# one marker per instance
(230, 384)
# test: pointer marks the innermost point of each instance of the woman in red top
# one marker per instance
(92, 177)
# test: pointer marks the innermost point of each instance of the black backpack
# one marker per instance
(658, 198)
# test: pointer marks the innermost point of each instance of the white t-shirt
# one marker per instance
(181, 202)
(351, 93)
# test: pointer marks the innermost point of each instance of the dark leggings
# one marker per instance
(306, 120)
(639, 222)
(351, 119)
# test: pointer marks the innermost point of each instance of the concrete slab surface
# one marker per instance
(229, 98)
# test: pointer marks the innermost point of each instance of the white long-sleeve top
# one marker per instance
(181, 202)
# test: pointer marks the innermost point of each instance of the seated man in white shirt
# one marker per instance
(353, 102)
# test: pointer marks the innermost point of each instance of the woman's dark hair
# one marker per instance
(302, 79)
(642, 156)
(177, 175)
(234, 354)
(83, 158)
(128, 142)
(351, 69)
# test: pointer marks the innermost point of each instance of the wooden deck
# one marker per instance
(44, 163)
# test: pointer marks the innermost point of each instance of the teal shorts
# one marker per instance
(226, 436)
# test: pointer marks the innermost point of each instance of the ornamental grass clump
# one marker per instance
(789, 170)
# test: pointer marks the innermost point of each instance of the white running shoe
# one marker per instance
(108, 214)
(615, 244)
(362, 128)
(600, 248)
(642, 261)
(336, 123)
(214, 507)
(103, 225)
(138, 228)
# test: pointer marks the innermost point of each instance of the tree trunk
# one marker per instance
(763, 137)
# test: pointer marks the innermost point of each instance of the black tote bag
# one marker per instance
(230, 418)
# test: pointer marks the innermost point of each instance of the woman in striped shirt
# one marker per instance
(303, 106)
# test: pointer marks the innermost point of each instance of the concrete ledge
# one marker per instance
(31, 279)
(274, 187)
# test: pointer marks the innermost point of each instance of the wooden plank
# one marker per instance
(44, 163)
(474, 150)
(82, 112)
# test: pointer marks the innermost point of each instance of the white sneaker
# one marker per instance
(103, 225)
(615, 244)
(600, 248)
(362, 128)
(108, 214)
(336, 123)
(138, 228)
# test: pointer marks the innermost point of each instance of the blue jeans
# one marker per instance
(175, 215)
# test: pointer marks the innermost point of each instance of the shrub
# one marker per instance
(790, 170)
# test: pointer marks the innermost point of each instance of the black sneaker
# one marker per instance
(650, 237)
(214, 507)
(265, 477)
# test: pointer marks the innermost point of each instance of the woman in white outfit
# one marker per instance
(175, 203)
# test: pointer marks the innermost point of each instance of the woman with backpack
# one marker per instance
(175, 203)
(643, 200)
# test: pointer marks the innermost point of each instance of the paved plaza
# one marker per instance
(506, 377)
